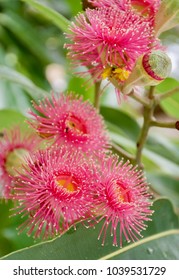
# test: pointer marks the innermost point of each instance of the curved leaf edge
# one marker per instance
(121, 250)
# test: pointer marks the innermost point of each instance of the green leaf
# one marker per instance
(160, 242)
(57, 19)
(165, 185)
(75, 6)
(171, 104)
(164, 164)
(9, 239)
(164, 147)
(77, 85)
(11, 75)
(166, 85)
(122, 122)
(18, 26)
(10, 118)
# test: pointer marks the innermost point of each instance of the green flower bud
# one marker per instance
(150, 70)
(14, 161)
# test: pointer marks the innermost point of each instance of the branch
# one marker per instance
(151, 92)
(148, 115)
(136, 97)
(165, 124)
(166, 94)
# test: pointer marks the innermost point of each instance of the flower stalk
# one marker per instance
(149, 121)
(164, 124)
(97, 95)
(148, 114)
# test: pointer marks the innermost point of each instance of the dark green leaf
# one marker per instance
(10, 118)
(163, 231)
(19, 26)
(165, 185)
(122, 122)
(11, 75)
(9, 239)
(59, 20)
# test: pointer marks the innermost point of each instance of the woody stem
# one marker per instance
(148, 116)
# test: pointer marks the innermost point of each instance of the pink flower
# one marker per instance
(122, 201)
(108, 41)
(14, 147)
(149, 7)
(70, 121)
(54, 191)
(119, 4)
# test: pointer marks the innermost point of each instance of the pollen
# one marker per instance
(107, 72)
(120, 74)
(67, 184)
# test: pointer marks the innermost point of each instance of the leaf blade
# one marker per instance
(83, 243)
(59, 20)
(11, 75)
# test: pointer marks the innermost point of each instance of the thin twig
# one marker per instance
(97, 95)
(151, 92)
(164, 124)
(166, 94)
(148, 114)
(141, 100)
(122, 152)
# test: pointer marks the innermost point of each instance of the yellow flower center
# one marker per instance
(119, 73)
(66, 183)
(121, 194)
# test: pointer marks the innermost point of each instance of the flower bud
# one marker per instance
(150, 70)
(167, 16)
(14, 161)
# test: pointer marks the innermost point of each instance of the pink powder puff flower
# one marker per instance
(71, 121)
(54, 191)
(14, 147)
(108, 41)
(123, 201)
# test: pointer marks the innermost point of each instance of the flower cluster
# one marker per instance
(72, 177)
(64, 172)
(111, 37)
